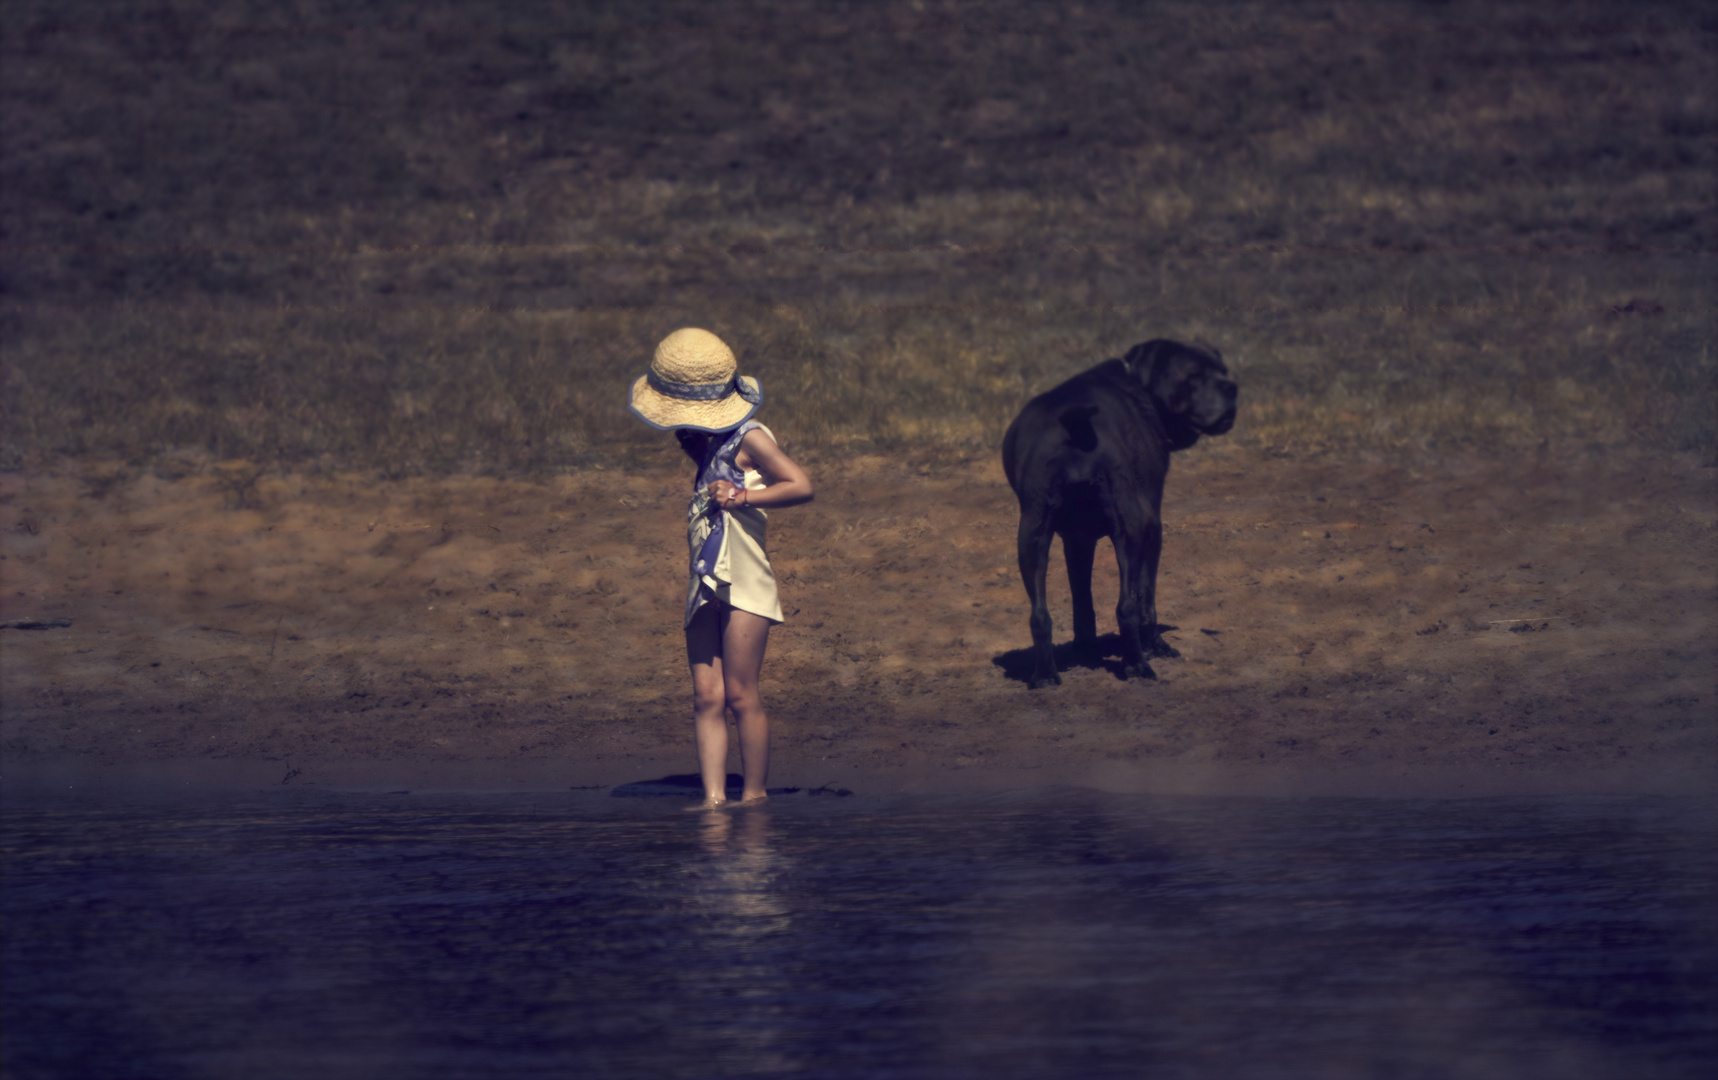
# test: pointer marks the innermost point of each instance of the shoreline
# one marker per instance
(72, 777)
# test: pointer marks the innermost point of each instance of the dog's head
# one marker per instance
(1194, 393)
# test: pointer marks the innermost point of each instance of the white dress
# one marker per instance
(734, 567)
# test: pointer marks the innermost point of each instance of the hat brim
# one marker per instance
(667, 413)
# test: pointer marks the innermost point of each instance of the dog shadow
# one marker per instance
(1104, 654)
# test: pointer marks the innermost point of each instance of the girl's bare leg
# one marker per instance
(744, 638)
(709, 703)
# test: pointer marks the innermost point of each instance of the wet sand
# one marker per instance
(1463, 625)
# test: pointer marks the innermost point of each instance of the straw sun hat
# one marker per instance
(694, 383)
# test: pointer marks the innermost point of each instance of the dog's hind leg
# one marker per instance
(1080, 551)
(1034, 545)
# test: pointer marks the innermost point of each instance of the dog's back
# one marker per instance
(1086, 428)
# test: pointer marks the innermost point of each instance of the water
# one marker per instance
(1053, 933)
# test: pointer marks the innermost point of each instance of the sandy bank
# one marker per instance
(1462, 625)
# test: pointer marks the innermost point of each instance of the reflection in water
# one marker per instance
(1048, 933)
(742, 936)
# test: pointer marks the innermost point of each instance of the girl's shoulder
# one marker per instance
(742, 433)
(730, 443)
(745, 433)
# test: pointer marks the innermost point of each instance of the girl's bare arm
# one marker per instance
(787, 484)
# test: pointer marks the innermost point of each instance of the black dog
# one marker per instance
(1087, 460)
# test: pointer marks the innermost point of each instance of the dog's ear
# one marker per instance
(1154, 365)
(1142, 359)
(1174, 372)
(1190, 384)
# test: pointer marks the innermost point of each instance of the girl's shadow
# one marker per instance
(1103, 654)
(686, 785)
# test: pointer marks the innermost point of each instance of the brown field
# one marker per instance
(1481, 625)
(316, 322)
(440, 239)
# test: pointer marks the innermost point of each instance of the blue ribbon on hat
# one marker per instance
(704, 391)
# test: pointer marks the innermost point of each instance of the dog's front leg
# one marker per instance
(1132, 562)
(1034, 544)
(1155, 646)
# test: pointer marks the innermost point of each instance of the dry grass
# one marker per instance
(425, 238)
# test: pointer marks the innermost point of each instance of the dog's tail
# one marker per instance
(1078, 422)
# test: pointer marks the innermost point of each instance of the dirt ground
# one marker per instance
(1468, 625)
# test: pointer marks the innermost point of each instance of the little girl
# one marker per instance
(693, 388)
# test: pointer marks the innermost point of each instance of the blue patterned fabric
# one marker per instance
(706, 391)
(705, 520)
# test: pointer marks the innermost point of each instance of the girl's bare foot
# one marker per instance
(708, 804)
(750, 800)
